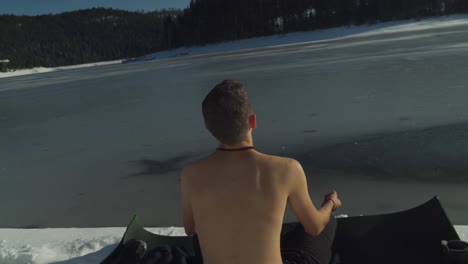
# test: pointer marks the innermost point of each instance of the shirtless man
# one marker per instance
(234, 200)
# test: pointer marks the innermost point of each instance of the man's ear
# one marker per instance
(253, 121)
(206, 125)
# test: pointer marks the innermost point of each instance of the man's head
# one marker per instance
(227, 112)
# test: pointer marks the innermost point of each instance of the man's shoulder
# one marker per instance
(280, 160)
(283, 170)
(281, 164)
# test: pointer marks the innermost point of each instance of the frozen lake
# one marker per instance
(382, 119)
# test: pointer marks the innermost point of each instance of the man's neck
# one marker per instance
(248, 142)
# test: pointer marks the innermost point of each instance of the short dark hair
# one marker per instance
(226, 110)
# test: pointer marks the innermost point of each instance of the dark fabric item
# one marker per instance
(134, 252)
(165, 255)
(161, 255)
(408, 237)
(298, 247)
(198, 259)
(130, 252)
(455, 252)
(136, 231)
(335, 257)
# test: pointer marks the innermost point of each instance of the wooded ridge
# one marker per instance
(101, 34)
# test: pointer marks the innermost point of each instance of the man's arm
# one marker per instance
(189, 222)
(313, 220)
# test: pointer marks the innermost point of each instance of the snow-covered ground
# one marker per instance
(276, 40)
(312, 36)
(62, 68)
(68, 245)
(77, 246)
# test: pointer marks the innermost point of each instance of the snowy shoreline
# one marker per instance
(37, 70)
(77, 245)
(272, 41)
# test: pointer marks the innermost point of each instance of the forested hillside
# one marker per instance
(214, 20)
(80, 37)
(106, 34)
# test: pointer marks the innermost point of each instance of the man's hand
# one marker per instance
(313, 220)
(332, 196)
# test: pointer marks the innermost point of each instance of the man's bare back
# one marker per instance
(238, 200)
(235, 199)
